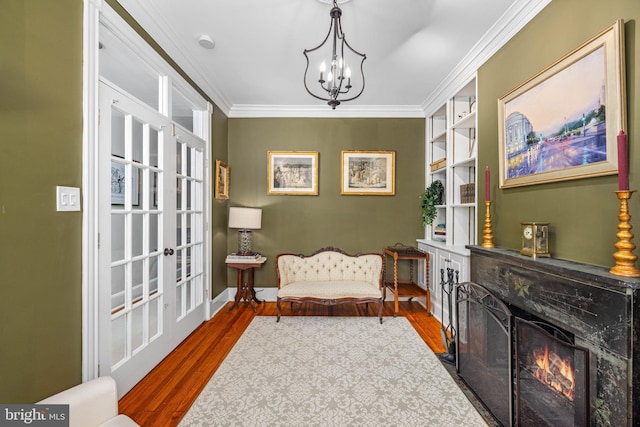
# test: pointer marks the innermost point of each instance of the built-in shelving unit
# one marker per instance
(451, 149)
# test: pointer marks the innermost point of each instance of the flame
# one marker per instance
(554, 371)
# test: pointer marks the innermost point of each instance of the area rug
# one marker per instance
(331, 371)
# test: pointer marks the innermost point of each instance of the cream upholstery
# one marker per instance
(330, 276)
(94, 403)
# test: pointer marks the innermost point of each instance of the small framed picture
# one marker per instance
(368, 173)
(222, 180)
(293, 173)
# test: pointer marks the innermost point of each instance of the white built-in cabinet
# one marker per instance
(451, 149)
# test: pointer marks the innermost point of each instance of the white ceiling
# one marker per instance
(256, 67)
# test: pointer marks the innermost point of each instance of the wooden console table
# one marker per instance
(245, 289)
(407, 288)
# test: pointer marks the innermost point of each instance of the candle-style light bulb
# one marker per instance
(348, 74)
(323, 68)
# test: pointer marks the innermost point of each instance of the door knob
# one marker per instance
(168, 251)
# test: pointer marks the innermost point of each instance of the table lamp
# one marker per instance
(245, 220)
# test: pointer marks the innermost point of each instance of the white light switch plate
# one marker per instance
(67, 199)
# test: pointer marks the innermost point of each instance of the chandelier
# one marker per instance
(336, 83)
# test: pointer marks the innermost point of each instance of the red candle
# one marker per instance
(623, 162)
(487, 185)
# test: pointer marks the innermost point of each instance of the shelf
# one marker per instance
(441, 137)
(470, 162)
(467, 122)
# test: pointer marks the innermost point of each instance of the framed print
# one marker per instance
(368, 172)
(292, 172)
(118, 184)
(222, 180)
(562, 123)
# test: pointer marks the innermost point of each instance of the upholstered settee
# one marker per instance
(330, 276)
(93, 403)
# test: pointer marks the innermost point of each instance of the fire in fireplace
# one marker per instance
(551, 369)
(551, 376)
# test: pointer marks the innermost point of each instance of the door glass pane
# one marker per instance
(189, 159)
(179, 265)
(153, 233)
(136, 280)
(153, 148)
(118, 339)
(137, 141)
(179, 307)
(137, 328)
(178, 229)
(118, 187)
(154, 327)
(189, 185)
(153, 274)
(117, 133)
(153, 190)
(117, 237)
(188, 230)
(117, 287)
(188, 262)
(137, 187)
(179, 194)
(178, 158)
(189, 296)
(137, 242)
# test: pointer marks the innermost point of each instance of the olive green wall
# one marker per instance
(303, 224)
(582, 213)
(41, 147)
(219, 208)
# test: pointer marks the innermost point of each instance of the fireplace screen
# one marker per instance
(484, 357)
(551, 377)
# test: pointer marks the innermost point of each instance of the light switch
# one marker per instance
(67, 199)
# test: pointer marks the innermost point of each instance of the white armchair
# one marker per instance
(94, 403)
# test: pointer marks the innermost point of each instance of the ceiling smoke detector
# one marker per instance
(206, 41)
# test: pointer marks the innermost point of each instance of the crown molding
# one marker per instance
(324, 111)
(513, 20)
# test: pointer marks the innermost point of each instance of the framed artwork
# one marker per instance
(292, 173)
(222, 180)
(562, 123)
(368, 173)
(118, 184)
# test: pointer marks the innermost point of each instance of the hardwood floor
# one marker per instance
(164, 396)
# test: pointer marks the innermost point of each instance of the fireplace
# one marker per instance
(549, 342)
(551, 377)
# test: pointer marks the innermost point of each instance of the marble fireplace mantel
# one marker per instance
(601, 310)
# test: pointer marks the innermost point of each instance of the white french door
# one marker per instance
(151, 247)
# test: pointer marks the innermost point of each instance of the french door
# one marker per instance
(151, 236)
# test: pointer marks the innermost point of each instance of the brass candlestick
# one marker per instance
(487, 235)
(625, 259)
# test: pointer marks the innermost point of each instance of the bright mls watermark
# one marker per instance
(34, 415)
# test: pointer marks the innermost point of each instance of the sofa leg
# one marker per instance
(279, 310)
(380, 310)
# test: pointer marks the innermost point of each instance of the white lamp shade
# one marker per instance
(245, 218)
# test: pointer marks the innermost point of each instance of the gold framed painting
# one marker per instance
(292, 173)
(367, 173)
(562, 123)
(222, 180)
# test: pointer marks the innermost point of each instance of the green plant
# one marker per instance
(431, 197)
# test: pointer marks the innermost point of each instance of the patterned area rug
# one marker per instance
(331, 371)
